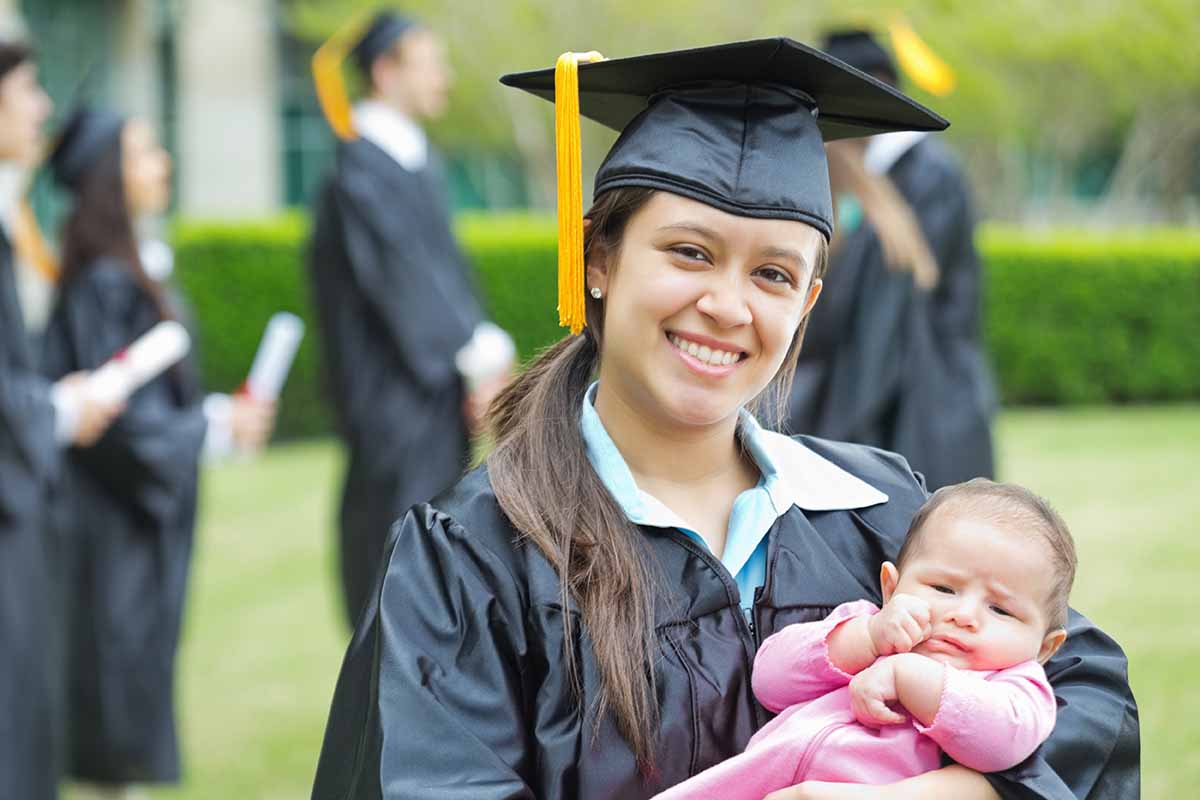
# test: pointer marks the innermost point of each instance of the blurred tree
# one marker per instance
(1050, 84)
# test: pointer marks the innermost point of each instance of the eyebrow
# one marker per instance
(692, 227)
(786, 253)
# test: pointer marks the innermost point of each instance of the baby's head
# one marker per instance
(995, 563)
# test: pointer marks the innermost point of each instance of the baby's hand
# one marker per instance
(900, 625)
(870, 692)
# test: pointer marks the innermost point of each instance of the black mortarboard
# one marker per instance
(381, 34)
(861, 50)
(85, 138)
(740, 127)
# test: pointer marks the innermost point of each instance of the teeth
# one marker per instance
(715, 358)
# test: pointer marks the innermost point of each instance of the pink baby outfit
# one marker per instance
(987, 721)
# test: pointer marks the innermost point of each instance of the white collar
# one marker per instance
(158, 259)
(792, 474)
(392, 132)
(12, 186)
(885, 149)
(805, 479)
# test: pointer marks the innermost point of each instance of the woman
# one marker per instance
(132, 497)
(578, 618)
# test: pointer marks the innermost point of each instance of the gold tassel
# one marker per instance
(918, 62)
(571, 313)
(329, 81)
(30, 245)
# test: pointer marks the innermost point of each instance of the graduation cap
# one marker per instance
(861, 49)
(363, 41)
(85, 138)
(385, 29)
(740, 127)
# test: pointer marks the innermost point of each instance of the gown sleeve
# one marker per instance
(27, 441)
(430, 701)
(1094, 750)
(150, 453)
(412, 301)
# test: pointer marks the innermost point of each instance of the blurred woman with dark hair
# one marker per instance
(134, 494)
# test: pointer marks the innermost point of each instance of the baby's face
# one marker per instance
(986, 588)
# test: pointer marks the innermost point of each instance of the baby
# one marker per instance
(974, 605)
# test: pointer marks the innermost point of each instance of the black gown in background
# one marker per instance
(454, 687)
(396, 301)
(886, 364)
(28, 620)
(131, 518)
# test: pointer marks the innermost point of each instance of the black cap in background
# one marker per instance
(85, 138)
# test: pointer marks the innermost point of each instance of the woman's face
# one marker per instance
(146, 170)
(701, 307)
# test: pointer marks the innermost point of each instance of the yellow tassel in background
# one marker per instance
(329, 81)
(918, 62)
(30, 244)
(568, 149)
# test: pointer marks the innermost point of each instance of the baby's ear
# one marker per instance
(1050, 644)
(889, 576)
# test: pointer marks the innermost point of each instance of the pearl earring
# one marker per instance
(596, 293)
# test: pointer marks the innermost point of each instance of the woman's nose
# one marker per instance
(724, 302)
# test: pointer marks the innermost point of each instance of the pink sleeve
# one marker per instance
(793, 665)
(992, 722)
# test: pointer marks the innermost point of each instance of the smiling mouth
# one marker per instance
(709, 356)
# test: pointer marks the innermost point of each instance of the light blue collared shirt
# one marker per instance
(791, 474)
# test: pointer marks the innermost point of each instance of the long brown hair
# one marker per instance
(100, 226)
(546, 486)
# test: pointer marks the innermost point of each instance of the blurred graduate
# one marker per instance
(131, 498)
(37, 419)
(577, 619)
(410, 361)
(894, 356)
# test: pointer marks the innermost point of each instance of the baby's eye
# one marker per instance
(690, 253)
(943, 589)
(1002, 612)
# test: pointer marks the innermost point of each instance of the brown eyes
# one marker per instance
(775, 275)
(690, 253)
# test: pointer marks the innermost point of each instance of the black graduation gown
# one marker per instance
(888, 365)
(132, 512)
(453, 685)
(396, 301)
(28, 464)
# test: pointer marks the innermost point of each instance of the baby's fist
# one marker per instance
(900, 625)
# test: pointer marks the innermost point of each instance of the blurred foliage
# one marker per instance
(1050, 85)
(1076, 318)
(1071, 317)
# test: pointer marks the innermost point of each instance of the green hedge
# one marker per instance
(1072, 317)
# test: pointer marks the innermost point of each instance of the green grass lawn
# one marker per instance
(264, 637)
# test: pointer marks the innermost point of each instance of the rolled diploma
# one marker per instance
(275, 355)
(135, 366)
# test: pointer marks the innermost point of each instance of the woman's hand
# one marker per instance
(820, 790)
(948, 783)
(252, 422)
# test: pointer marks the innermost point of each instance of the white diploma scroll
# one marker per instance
(489, 354)
(275, 355)
(135, 366)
